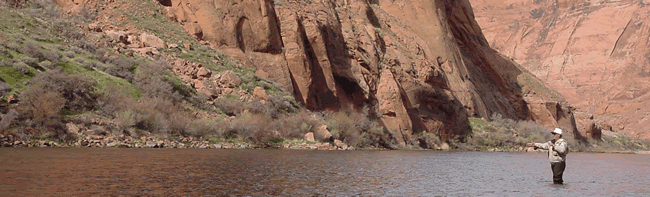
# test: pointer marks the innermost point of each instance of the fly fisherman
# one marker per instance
(557, 151)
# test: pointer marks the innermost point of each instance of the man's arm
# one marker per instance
(544, 146)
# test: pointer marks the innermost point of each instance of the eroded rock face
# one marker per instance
(422, 65)
(595, 53)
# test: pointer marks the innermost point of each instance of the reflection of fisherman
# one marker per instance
(557, 151)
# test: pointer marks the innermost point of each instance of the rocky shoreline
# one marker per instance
(122, 141)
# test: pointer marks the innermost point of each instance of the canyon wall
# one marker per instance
(422, 66)
(594, 52)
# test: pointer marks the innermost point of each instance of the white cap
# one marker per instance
(557, 131)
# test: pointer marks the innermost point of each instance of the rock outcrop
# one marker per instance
(421, 65)
(595, 53)
(424, 66)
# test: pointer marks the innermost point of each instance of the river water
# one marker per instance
(200, 172)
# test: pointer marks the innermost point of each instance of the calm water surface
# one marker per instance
(197, 172)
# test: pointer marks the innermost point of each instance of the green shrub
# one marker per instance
(199, 101)
(151, 79)
(53, 56)
(250, 126)
(113, 101)
(342, 124)
(296, 125)
(69, 54)
(532, 132)
(4, 52)
(78, 91)
(47, 9)
(203, 128)
(6, 63)
(228, 106)
(83, 44)
(33, 62)
(31, 49)
(428, 140)
(500, 121)
(22, 68)
(6, 120)
(579, 145)
(89, 65)
(47, 64)
(4, 88)
(358, 130)
(40, 110)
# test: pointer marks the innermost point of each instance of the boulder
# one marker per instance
(325, 146)
(322, 134)
(340, 144)
(12, 99)
(172, 46)
(203, 72)
(118, 36)
(147, 51)
(130, 39)
(194, 30)
(606, 126)
(114, 144)
(150, 144)
(160, 144)
(587, 126)
(445, 146)
(150, 40)
(259, 93)
(94, 27)
(72, 128)
(309, 137)
(262, 74)
(229, 80)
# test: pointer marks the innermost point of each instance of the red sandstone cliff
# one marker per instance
(422, 65)
(593, 52)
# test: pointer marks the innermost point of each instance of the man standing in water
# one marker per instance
(557, 151)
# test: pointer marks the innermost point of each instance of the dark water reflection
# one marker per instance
(198, 172)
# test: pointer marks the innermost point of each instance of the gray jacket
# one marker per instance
(557, 152)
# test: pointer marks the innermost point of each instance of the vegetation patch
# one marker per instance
(503, 134)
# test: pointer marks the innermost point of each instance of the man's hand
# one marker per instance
(530, 144)
(550, 143)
